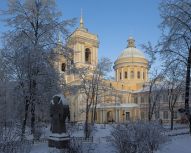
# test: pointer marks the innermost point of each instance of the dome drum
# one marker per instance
(131, 66)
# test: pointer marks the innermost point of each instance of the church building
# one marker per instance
(131, 76)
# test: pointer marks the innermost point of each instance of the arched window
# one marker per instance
(138, 75)
(132, 74)
(63, 67)
(87, 56)
(125, 75)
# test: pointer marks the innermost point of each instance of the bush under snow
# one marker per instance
(138, 137)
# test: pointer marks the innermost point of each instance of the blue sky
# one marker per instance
(113, 21)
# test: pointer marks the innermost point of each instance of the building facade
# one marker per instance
(129, 98)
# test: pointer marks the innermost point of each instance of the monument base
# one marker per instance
(59, 141)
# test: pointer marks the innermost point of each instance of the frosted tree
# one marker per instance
(92, 87)
(175, 43)
(33, 28)
(174, 89)
(3, 91)
(154, 88)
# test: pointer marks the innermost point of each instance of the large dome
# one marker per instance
(131, 51)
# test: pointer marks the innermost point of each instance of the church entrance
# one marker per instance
(110, 116)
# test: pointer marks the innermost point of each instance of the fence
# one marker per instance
(83, 139)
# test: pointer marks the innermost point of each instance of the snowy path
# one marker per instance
(40, 148)
(178, 144)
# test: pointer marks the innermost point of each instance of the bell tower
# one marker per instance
(85, 46)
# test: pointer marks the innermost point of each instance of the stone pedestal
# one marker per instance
(59, 141)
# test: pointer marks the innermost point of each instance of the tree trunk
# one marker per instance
(33, 118)
(149, 113)
(149, 116)
(33, 93)
(187, 90)
(86, 130)
(25, 118)
(95, 108)
(92, 110)
(172, 119)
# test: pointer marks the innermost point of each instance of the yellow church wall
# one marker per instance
(123, 88)
(117, 115)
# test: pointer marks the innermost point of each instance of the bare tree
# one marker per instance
(32, 35)
(92, 87)
(155, 87)
(175, 43)
(103, 67)
(3, 91)
(174, 88)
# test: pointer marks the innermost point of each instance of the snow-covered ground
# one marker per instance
(177, 144)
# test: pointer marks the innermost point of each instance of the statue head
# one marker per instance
(59, 99)
(56, 100)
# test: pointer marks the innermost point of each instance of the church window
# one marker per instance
(132, 74)
(125, 75)
(138, 75)
(87, 56)
(63, 67)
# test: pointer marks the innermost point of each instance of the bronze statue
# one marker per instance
(59, 111)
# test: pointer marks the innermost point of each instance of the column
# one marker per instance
(135, 113)
(96, 53)
(100, 115)
(80, 54)
(122, 74)
(128, 73)
(116, 115)
(119, 117)
(146, 74)
(104, 116)
(83, 54)
(117, 75)
(92, 56)
(135, 72)
(141, 73)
